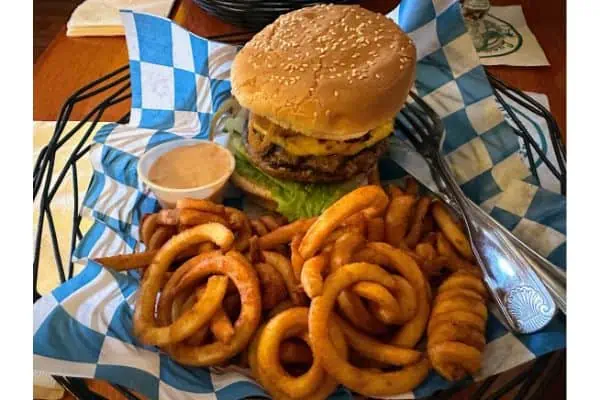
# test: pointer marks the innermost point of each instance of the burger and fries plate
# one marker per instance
(309, 303)
(340, 280)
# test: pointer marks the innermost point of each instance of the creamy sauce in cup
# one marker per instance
(190, 166)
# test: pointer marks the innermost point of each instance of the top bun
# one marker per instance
(328, 71)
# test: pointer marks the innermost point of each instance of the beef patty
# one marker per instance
(276, 161)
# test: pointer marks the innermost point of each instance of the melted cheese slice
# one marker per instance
(301, 145)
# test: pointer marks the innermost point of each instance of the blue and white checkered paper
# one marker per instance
(83, 328)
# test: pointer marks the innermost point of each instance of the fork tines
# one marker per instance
(420, 124)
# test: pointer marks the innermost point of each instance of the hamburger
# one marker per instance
(322, 86)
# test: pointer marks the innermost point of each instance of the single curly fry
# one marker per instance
(148, 225)
(312, 275)
(452, 230)
(285, 233)
(371, 200)
(290, 323)
(201, 205)
(160, 237)
(453, 360)
(296, 258)
(397, 219)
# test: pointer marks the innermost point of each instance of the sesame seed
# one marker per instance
(335, 93)
(377, 76)
(327, 113)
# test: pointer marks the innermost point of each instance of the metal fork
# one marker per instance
(507, 263)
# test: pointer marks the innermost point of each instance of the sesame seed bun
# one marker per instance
(330, 72)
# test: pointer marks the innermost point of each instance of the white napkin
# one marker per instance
(101, 17)
(502, 37)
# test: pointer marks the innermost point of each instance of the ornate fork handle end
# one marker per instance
(530, 309)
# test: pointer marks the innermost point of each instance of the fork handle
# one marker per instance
(554, 278)
(522, 298)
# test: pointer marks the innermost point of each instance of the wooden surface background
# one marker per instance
(49, 16)
(69, 63)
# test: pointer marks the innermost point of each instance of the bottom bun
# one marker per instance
(268, 205)
(256, 193)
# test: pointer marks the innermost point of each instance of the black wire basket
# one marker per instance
(529, 382)
(255, 14)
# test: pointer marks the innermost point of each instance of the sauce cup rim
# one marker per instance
(182, 142)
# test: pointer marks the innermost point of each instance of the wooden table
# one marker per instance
(69, 63)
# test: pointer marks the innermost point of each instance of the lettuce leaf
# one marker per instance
(294, 199)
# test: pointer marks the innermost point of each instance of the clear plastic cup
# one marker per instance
(167, 197)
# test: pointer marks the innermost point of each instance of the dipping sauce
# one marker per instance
(190, 166)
